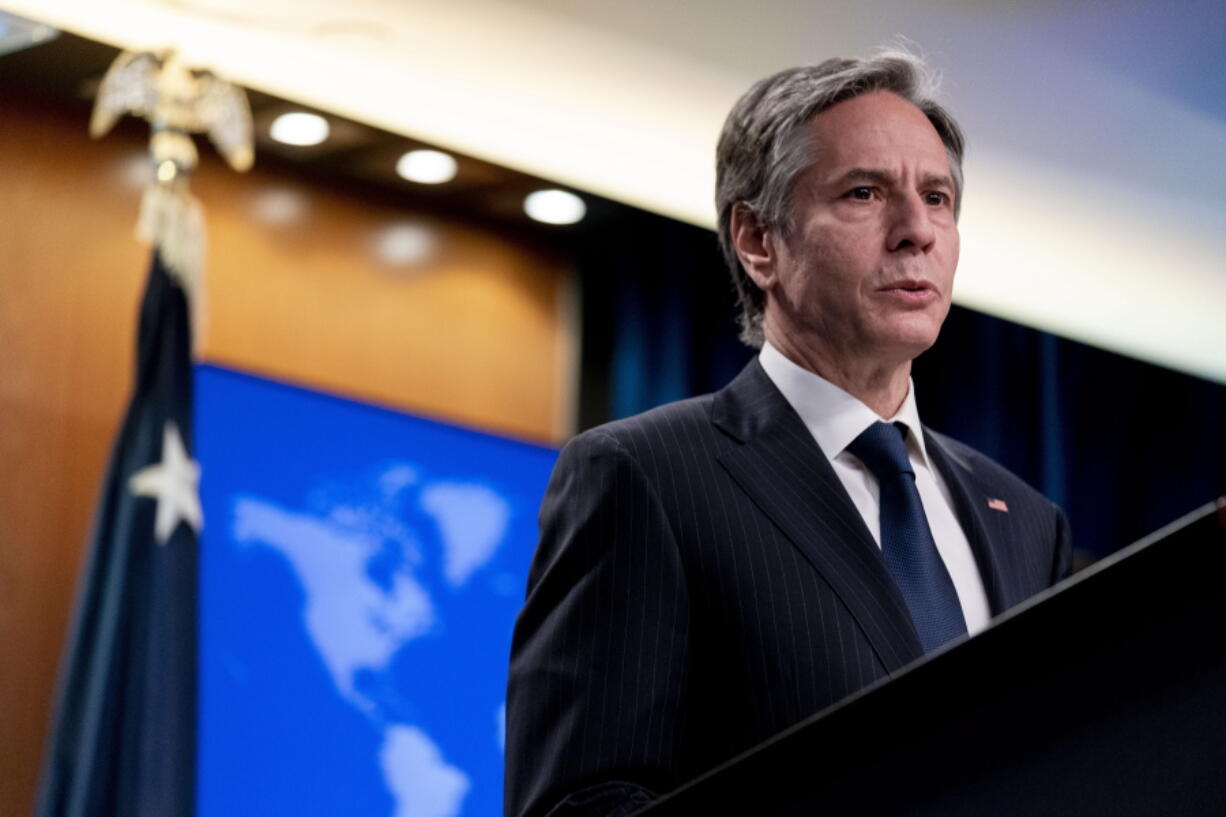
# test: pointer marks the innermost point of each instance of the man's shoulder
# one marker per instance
(672, 438)
(985, 470)
(715, 418)
(654, 432)
(1030, 531)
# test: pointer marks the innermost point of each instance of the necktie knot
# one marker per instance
(883, 449)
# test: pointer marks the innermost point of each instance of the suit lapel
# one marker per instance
(970, 496)
(787, 476)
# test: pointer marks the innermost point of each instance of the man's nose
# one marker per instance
(910, 224)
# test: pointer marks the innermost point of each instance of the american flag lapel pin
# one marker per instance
(998, 505)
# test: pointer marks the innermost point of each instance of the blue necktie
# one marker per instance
(906, 541)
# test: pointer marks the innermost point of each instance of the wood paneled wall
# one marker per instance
(479, 333)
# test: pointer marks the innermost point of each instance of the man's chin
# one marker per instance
(912, 333)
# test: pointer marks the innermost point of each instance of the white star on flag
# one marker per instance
(172, 482)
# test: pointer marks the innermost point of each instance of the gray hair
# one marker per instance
(765, 145)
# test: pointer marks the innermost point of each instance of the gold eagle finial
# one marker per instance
(176, 101)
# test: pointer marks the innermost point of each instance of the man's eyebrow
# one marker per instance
(885, 178)
(865, 174)
(937, 180)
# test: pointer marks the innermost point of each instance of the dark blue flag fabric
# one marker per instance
(124, 737)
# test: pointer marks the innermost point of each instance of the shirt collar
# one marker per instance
(833, 416)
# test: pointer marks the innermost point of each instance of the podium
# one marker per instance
(1105, 695)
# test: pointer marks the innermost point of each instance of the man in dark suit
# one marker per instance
(715, 570)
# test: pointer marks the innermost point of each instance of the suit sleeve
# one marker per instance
(598, 659)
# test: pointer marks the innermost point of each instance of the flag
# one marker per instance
(123, 742)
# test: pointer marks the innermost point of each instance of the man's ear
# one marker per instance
(756, 246)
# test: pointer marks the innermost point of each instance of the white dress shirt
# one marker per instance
(835, 419)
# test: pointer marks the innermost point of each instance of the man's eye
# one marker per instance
(936, 198)
(861, 193)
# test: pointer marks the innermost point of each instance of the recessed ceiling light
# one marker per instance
(299, 128)
(280, 206)
(555, 207)
(135, 170)
(426, 166)
(405, 243)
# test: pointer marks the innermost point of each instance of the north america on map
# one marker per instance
(371, 578)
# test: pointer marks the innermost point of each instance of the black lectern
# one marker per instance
(1105, 695)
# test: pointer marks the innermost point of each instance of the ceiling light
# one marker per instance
(426, 166)
(405, 243)
(299, 128)
(135, 171)
(555, 207)
(280, 206)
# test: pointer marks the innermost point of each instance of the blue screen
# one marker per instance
(360, 574)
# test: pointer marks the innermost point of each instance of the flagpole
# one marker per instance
(123, 738)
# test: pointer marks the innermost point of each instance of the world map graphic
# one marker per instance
(356, 604)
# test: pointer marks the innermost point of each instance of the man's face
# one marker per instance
(867, 271)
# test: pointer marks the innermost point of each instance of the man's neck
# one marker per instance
(880, 386)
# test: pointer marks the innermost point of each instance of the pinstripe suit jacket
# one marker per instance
(703, 581)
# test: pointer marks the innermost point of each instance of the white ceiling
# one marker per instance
(1096, 174)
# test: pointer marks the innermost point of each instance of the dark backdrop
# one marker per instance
(1123, 446)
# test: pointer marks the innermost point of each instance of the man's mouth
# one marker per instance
(909, 284)
(910, 291)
